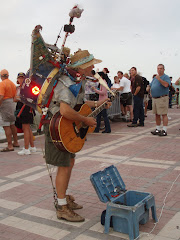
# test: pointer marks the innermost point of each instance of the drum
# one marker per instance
(35, 91)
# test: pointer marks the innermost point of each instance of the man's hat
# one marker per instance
(21, 74)
(83, 59)
(4, 72)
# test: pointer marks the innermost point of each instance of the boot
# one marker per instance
(64, 212)
(71, 203)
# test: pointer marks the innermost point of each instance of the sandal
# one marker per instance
(7, 150)
(17, 146)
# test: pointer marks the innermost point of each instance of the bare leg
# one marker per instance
(145, 109)
(125, 110)
(158, 120)
(131, 111)
(165, 120)
(62, 179)
(31, 137)
(8, 134)
(71, 167)
(25, 128)
(14, 133)
(122, 109)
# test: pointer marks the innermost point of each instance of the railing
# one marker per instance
(115, 109)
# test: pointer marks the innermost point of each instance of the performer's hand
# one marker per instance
(90, 121)
(108, 103)
(93, 88)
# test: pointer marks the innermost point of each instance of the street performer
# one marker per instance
(64, 100)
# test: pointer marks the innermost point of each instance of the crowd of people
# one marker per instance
(15, 116)
(136, 94)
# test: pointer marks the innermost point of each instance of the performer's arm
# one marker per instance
(93, 104)
(71, 114)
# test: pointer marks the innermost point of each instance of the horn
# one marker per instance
(101, 81)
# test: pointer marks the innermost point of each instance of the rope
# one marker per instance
(164, 203)
(49, 169)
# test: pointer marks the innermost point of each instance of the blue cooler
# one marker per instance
(125, 209)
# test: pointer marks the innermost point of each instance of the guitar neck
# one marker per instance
(97, 110)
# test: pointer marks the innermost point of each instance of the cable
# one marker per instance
(164, 203)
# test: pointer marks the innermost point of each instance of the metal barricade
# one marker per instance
(115, 109)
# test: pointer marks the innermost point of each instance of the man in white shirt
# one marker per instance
(126, 95)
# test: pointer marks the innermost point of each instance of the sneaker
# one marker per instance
(24, 152)
(72, 204)
(132, 125)
(162, 133)
(33, 149)
(64, 212)
(156, 132)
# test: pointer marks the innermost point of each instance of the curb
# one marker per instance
(35, 133)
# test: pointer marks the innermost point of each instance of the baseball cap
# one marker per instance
(21, 74)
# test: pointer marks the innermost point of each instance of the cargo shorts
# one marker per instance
(160, 105)
(53, 155)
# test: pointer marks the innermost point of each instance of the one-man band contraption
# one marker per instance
(54, 86)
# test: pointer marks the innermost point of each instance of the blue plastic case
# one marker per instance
(126, 208)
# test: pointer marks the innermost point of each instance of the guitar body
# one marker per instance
(68, 135)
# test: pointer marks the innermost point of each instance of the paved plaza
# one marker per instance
(146, 163)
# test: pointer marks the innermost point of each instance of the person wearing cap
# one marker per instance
(64, 100)
(7, 94)
(24, 120)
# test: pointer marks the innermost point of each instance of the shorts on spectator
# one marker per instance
(126, 99)
(160, 105)
(146, 98)
(6, 124)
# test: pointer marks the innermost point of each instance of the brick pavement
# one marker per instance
(146, 163)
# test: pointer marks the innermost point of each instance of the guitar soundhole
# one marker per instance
(83, 132)
(80, 132)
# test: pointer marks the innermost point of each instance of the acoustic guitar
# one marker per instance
(68, 135)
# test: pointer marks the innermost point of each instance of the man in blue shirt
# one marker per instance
(160, 99)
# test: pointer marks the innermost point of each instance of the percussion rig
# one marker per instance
(47, 62)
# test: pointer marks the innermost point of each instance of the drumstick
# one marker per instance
(102, 82)
(21, 110)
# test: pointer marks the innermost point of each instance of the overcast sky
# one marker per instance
(122, 33)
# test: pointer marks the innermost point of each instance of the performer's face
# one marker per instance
(86, 71)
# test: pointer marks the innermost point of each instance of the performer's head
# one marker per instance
(4, 74)
(83, 62)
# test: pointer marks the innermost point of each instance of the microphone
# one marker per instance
(90, 78)
(93, 72)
